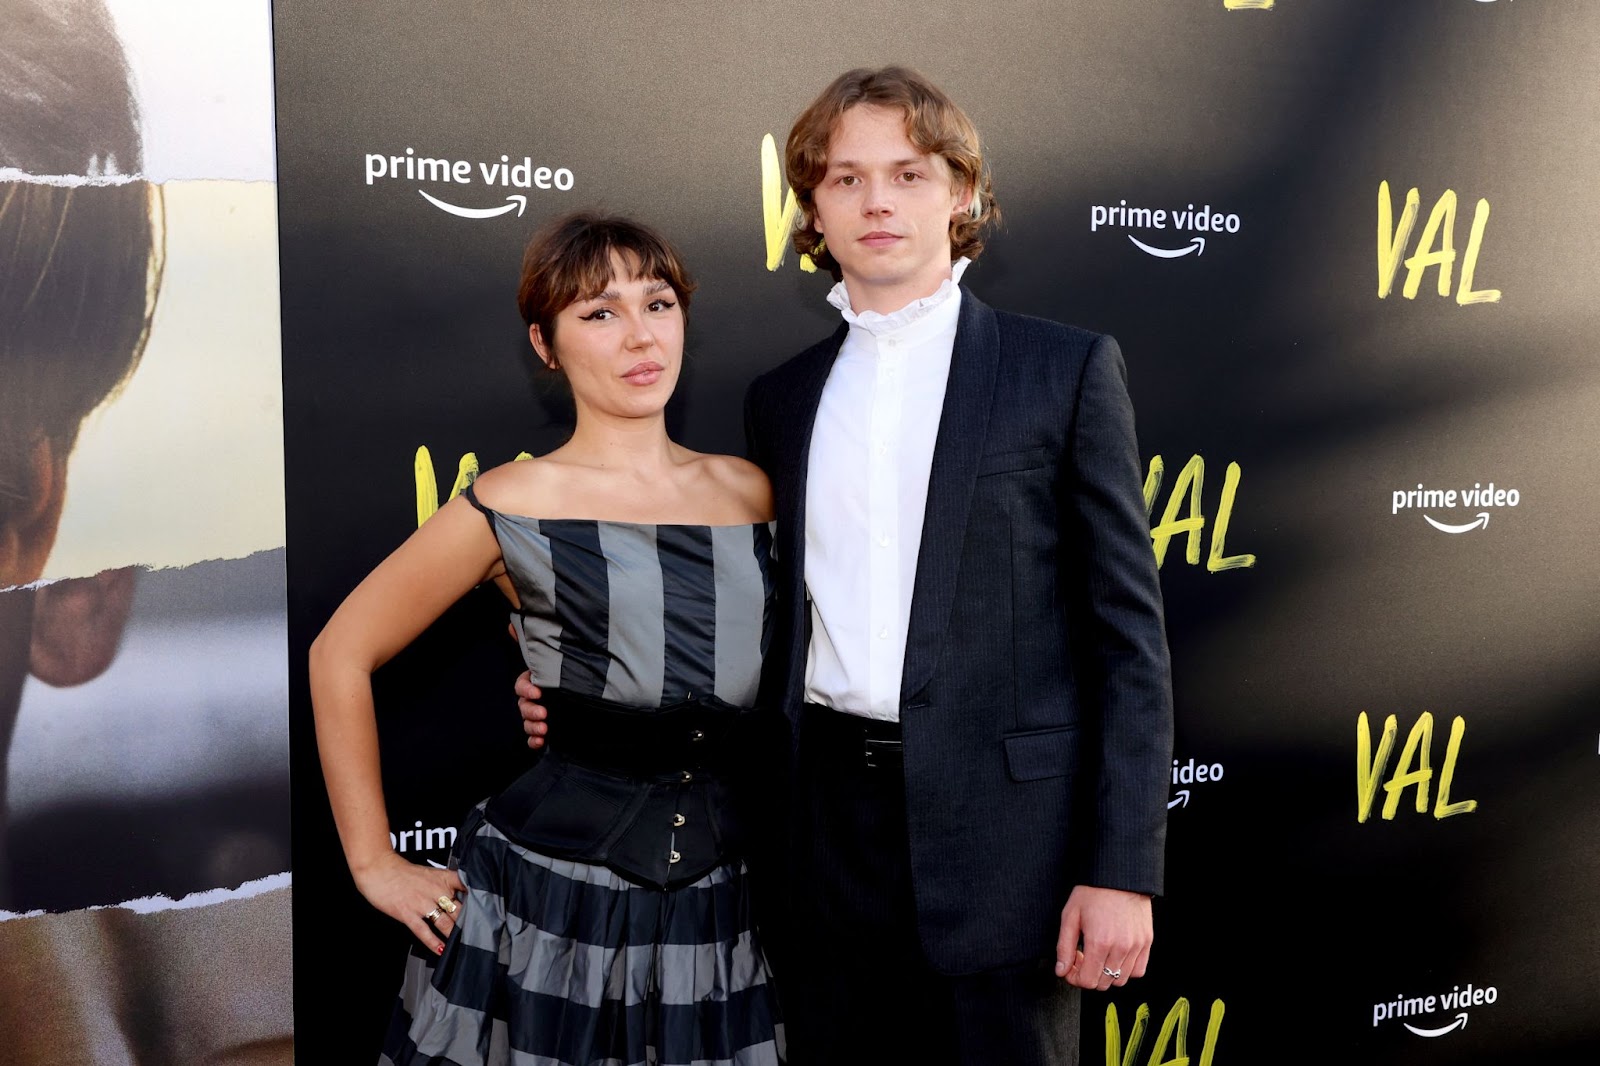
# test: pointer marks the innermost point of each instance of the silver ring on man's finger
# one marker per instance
(431, 915)
(1113, 974)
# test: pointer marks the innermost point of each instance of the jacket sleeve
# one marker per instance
(752, 419)
(1122, 655)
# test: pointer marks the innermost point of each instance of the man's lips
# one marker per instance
(879, 239)
(643, 374)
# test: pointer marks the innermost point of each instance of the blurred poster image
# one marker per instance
(143, 736)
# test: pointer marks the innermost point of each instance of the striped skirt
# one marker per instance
(557, 963)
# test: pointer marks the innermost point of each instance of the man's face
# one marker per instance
(884, 208)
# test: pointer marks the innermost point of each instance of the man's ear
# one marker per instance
(77, 626)
(542, 349)
(967, 203)
(29, 533)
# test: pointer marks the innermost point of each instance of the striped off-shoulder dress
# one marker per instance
(562, 962)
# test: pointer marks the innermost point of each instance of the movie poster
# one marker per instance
(144, 844)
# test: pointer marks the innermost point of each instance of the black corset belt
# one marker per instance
(642, 791)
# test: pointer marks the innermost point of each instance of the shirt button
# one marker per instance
(673, 857)
(883, 449)
(687, 776)
(678, 819)
(883, 634)
(893, 342)
(697, 734)
(883, 540)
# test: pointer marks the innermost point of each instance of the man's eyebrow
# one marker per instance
(851, 164)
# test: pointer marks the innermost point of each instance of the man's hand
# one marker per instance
(1115, 930)
(533, 714)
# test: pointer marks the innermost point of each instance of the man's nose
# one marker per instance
(879, 199)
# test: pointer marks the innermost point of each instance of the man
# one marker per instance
(969, 646)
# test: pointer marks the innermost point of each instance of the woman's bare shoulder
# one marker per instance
(743, 483)
(522, 487)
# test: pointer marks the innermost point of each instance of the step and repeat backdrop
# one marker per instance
(1351, 249)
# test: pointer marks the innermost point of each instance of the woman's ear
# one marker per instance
(77, 626)
(28, 530)
(546, 353)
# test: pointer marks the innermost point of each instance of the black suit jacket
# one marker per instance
(1036, 696)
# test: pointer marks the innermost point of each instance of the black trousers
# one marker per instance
(858, 988)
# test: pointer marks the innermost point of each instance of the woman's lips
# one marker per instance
(643, 374)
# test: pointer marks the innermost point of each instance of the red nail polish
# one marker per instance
(439, 950)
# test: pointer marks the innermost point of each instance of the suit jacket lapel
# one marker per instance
(963, 425)
(799, 415)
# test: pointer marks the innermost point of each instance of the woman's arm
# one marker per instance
(452, 552)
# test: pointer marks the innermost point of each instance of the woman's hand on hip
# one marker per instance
(411, 894)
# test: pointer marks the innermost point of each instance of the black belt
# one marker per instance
(639, 790)
(869, 742)
(678, 738)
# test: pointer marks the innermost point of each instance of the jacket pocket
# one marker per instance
(1007, 462)
(1042, 753)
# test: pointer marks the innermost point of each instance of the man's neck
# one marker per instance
(887, 299)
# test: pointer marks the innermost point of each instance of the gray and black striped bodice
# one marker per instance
(636, 613)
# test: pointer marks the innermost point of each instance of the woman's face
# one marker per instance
(621, 350)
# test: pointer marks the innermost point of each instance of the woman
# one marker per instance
(595, 910)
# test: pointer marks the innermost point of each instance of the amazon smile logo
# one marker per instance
(474, 204)
(1417, 1008)
(1190, 774)
(1479, 497)
(1166, 233)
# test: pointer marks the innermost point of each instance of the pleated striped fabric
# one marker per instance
(561, 963)
(558, 963)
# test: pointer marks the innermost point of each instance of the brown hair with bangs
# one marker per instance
(569, 259)
(934, 124)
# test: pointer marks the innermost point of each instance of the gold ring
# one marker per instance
(449, 905)
(431, 915)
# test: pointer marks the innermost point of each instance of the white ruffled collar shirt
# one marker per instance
(866, 494)
(876, 322)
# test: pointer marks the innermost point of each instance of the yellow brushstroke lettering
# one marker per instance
(1152, 483)
(1392, 239)
(428, 486)
(1190, 477)
(1441, 226)
(1216, 561)
(1174, 1032)
(1418, 743)
(1177, 1024)
(1369, 769)
(1114, 1053)
(778, 208)
(1466, 294)
(1443, 808)
(1208, 1050)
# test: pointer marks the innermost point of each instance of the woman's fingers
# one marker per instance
(424, 900)
(422, 932)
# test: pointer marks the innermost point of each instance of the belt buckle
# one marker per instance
(877, 754)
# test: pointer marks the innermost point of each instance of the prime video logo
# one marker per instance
(1178, 221)
(505, 173)
(1479, 495)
